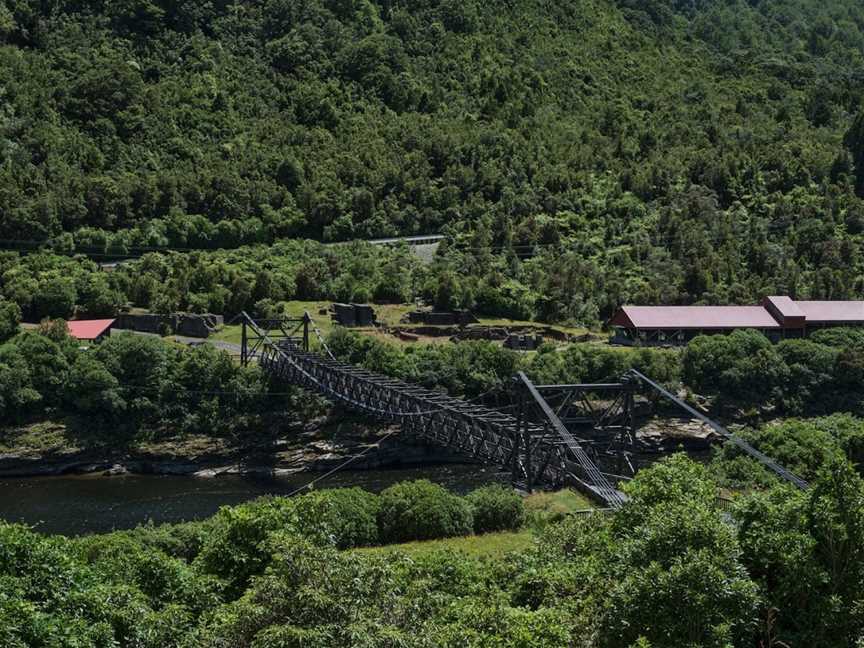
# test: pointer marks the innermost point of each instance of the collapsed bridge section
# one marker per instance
(545, 455)
(537, 443)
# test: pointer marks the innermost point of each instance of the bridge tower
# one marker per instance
(597, 417)
(288, 331)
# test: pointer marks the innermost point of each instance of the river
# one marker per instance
(75, 505)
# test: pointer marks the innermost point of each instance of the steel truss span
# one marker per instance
(534, 444)
(486, 435)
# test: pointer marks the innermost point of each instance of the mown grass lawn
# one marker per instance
(489, 544)
(558, 503)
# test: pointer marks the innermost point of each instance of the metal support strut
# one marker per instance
(255, 335)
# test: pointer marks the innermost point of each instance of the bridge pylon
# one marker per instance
(257, 335)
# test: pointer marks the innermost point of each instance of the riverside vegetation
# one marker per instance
(669, 570)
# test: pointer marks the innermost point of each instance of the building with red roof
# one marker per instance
(89, 330)
(832, 313)
(777, 317)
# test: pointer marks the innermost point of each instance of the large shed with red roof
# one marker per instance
(777, 317)
(89, 330)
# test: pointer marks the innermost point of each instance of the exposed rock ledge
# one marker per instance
(209, 458)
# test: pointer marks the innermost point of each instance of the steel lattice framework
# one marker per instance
(534, 455)
(536, 443)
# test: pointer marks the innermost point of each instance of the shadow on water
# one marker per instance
(75, 505)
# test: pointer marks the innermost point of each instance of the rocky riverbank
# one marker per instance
(47, 449)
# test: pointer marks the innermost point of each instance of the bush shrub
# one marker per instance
(421, 510)
(182, 540)
(10, 318)
(233, 549)
(120, 557)
(839, 337)
(801, 445)
(39, 568)
(343, 517)
(496, 508)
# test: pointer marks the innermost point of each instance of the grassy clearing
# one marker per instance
(389, 315)
(498, 321)
(541, 508)
(559, 502)
(36, 439)
(228, 334)
(488, 545)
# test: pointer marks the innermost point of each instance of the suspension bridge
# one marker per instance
(550, 436)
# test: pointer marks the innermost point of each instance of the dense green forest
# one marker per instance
(576, 155)
(136, 388)
(657, 151)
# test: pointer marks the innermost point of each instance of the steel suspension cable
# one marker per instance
(329, 390)
(341, 466)
(597, 478)
(319, 336)
(762, 458)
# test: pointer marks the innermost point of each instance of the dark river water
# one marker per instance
(75, 505)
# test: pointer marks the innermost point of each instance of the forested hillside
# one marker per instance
(663, 151)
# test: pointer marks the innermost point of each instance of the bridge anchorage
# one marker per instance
(546, 436)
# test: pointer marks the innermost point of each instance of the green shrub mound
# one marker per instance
(182, 540)
(421, 510)
(343, 517)
(496, 508)
(234, 549)
(794, 377)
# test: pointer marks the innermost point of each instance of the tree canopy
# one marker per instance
(670, 152)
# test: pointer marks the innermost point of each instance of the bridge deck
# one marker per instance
(532, 452)
(545, 453)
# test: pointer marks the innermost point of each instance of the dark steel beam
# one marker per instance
(762, 458)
